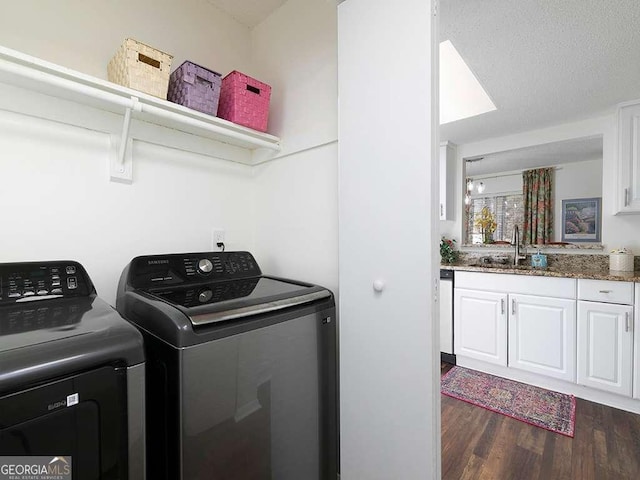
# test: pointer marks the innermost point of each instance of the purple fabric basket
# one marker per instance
(195, 87)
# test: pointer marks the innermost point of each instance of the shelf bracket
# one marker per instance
(121, 161)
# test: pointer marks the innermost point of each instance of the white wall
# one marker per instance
(296, 222)
(59, 204)
(296, 212)
(54, 188)
(84, 34)
(617, 230)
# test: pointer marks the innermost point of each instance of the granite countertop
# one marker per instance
(592, 274)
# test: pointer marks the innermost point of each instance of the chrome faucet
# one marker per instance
(517, 255)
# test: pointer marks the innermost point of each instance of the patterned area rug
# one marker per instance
(533, 405)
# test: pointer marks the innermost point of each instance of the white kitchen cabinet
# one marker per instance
(496, 314)
(605, 291)
(628, 161)
(480, 325)
(605, 346)
(447, 181)
(542, 335)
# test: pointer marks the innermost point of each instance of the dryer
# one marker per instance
(71, 375)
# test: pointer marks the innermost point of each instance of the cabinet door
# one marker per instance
(605, 340)
(542, 333)
(480, 325)
(628, 195)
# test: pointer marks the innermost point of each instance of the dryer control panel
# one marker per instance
(191, 268)
(29, 281)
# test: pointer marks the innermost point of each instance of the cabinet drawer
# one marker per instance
(524, 284)
(605, 291)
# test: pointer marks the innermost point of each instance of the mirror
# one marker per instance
(494, 199)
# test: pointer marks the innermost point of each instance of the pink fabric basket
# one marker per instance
(245, 101)
(195, 87)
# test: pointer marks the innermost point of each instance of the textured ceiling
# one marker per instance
(248, 12)
(543, 62)
(539, 156)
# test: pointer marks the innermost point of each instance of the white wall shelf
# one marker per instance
(38, 76)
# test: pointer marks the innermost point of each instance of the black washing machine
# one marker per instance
(71, 375)
(241, 368)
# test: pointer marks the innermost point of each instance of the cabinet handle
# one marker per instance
(441, 210)
(605, 291)
(626, 197)
(626, 321)
(513, 306)
(502, 305)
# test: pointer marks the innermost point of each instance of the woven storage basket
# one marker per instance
(245, 101)
(195, 87)
(621, 262)
(141, 67)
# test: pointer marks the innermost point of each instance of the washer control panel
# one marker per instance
(191, 268)
(21, 282)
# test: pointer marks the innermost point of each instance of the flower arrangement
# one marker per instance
(487, 225)
(448, 253)
(623, 251)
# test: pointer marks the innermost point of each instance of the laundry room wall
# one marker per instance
(57, 199)
(58, 202)
(84, 35)
(296, 233)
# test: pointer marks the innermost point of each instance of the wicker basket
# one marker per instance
(141, 67)
(245, 101)
(195, 87)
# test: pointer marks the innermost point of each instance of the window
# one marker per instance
(507, 211)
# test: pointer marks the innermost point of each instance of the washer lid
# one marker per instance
(228, 300)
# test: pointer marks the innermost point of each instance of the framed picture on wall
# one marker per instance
(581, 220)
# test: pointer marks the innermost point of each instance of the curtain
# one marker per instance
(538, 206)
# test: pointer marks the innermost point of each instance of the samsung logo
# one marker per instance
(156, 262)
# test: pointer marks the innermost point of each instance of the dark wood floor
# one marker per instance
(479, 444)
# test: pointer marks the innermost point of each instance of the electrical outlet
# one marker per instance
(217, 237)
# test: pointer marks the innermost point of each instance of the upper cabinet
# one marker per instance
(628, 182)
(447, 181)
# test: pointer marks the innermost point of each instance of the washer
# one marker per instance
(241, 368)
(71, 374)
